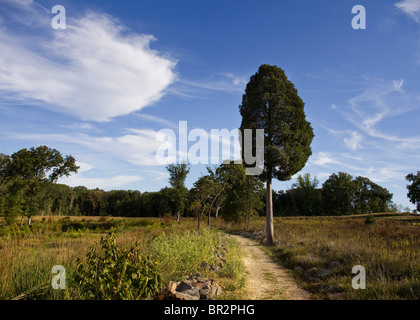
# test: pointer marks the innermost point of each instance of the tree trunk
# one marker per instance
(71, 203)
(21, 221)
(29, 220)
(269, 211)
(208, 218)
(178, 215)
(216, 215)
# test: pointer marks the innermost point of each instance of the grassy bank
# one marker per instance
(28, 253)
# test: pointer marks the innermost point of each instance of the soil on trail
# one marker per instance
(266, 280)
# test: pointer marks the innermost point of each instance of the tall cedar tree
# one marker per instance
(271, 102)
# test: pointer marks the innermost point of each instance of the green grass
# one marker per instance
(28, 253)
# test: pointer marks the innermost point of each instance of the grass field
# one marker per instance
(386, 245)
(27, 254)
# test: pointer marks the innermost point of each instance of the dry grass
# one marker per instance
(387, 247)
(28, 254)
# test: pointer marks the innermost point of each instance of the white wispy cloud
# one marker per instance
(354, 141)
(379, 101)
(137, 147)
(323, 158)
(410, 7)
(156, 119)
(223, 82)
(96, 69)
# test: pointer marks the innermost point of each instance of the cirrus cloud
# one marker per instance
(95, 69)
(410, 7)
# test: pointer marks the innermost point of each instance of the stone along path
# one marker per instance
(266, 280)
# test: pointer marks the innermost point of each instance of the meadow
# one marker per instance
(28, 253)
(387, 245)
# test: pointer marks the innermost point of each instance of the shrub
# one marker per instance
(117, 274)
(183, 253)
(369, 220)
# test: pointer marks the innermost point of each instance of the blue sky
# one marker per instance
(121, 71)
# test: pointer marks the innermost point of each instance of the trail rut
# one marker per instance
(266, 280)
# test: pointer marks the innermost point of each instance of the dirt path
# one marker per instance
(267, 280)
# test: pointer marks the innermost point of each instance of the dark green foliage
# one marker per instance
(339, 195)
(370, 197)
(35, 163)
(5, 170)
(342, 195)
(243, 197)
(271, 102)
(338, 192)
(369, 220)
(177, 175)
(38, 168)
(414, 189)
(112, 273)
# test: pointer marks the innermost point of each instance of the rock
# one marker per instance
(200, 285)
(186, 296)
(194, 292)
(184, 286)
(171, 287)
(324, 273)
(215, 291)
(205, 293)
(193, 288)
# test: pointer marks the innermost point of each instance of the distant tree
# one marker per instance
(370, 197)
(177, 175)
(5, 173)
(62, 199)
(166, 201)
(38, 165)
(96, 200)
(414, 189)
(271, 102)
(201, 196)
(13, 200)
(338, 193)
(243, 198)
(306, 196)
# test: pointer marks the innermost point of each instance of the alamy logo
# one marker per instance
(359, 281)
(206, 147)
(59, 281)
(359, 20)
(59, 21)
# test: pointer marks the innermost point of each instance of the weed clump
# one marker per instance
(115, 274)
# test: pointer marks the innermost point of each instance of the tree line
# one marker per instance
(341, 194)
(28, 187)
